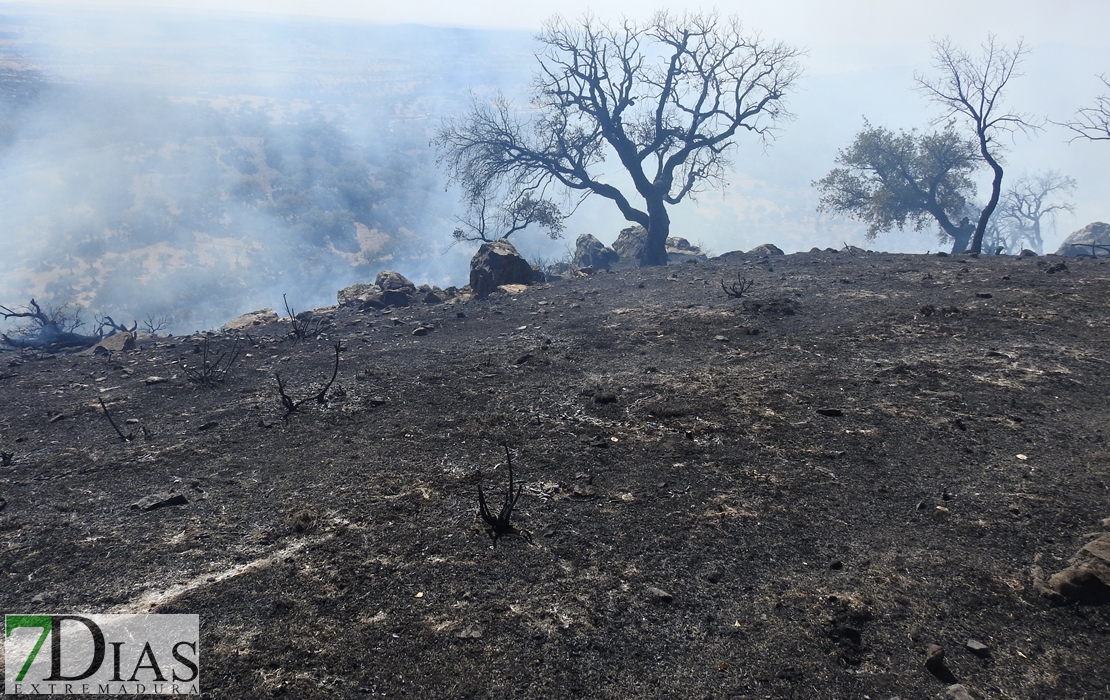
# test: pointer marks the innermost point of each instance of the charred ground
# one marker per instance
(790, 494)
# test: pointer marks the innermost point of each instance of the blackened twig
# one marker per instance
(300, 330)
(321, 397)
(125, 438)
(502, 523)
(738, 288)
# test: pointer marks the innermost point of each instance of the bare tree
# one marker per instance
(971, 88)
(1030, 202)
(1093, 123)
(668, 98)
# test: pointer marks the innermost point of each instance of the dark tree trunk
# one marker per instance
(996, 192)
(961, 236)
(658, 228)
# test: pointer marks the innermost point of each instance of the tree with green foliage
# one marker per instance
(667, 98)
(490, 217)
(890, 180)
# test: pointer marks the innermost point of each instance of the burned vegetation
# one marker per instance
(861, 477)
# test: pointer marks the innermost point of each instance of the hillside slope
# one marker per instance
(791, 494)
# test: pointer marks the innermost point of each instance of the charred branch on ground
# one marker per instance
(211, 372)
(502, 523)
(738, 288)
(301, 329)
(107, 322)
(126, 438)
(321, 397)
(49, 329)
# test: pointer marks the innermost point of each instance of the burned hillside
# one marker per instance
(794, 491)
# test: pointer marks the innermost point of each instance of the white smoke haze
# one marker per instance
(200, 165)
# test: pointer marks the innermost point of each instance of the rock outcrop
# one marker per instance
(1092, 239)
(254, 318)
(766, 249)
(358, 294)
(590, 252)
(680, 250)
(498, 263)
(390, 281)
(630, 246)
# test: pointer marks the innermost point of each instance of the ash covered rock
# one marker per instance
(766, 249)
(358, 294)
(498, 263)
(254, 318)
(590, 252)
(390, 281)
(631, 246)
(1087, 580)
(680, 250)
(1092, 239)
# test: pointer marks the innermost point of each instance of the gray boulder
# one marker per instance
(630, 246)
(766, 249)
(254, 318)
(590, 252)
(497, 263)
(680, 250)
(357, 294)
(1092, 239)
(390, 281)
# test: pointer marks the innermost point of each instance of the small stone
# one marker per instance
(934, 662)
(155, 380)
(957, 692)
(978, 648)
(159, 500)
(420, 330)
(720, 338)
(584, 491)
(470, 632)
(658, 595)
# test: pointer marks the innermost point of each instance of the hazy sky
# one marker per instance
(861, 60)
(818, 24)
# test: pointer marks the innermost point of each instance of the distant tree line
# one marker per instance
(668, 99)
